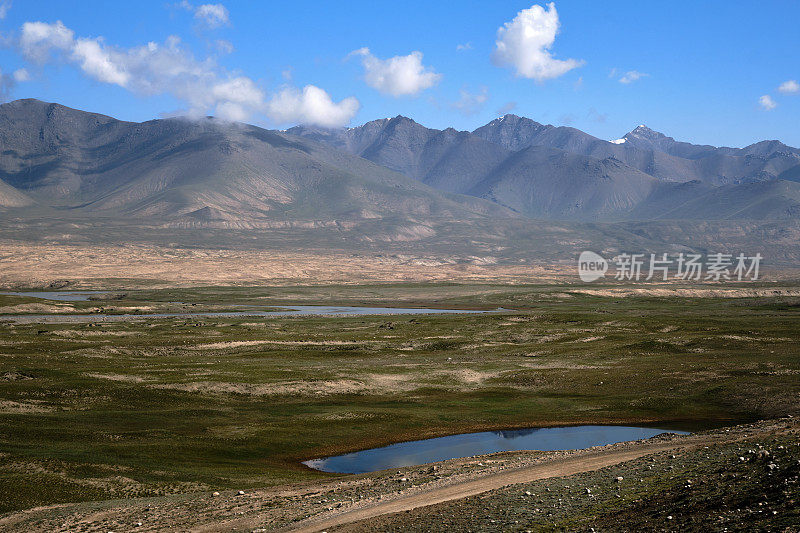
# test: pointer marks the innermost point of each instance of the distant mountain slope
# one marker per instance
(77, 177)
(450, 160)
(207, 170)
(543, 182)
(642, 176)
(651, 152)
(645, 138)
(767, 200)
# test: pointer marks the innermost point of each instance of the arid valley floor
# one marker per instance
(132, 423)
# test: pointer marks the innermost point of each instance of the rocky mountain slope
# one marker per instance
(652, 152)
(207, 170)
(389, 185)
(571, 175)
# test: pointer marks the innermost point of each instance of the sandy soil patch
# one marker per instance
(10, 407)
(239, 344)
(73, 334)
(472, 377)
(35, 308)
(339, 386)
(116, 377)
(29, 264)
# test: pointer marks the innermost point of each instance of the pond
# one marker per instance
(466, 445)
(284, 311)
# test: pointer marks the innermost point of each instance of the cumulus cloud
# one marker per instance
(397, 76)
(312, 105)
(170, 68)
(767, 103)
(223, 46)
(469, 104)
(21, 75)
(525, 42)
(97, 62)
(212, 15)
(40, 39)
(632, 76)
(789, 87)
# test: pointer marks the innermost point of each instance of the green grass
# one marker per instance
(142, 408)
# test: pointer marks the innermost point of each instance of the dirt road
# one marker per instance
(557, 468)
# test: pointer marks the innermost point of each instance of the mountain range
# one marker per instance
(509, 187)
(561, 173)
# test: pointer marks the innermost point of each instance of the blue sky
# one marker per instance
(704, 67)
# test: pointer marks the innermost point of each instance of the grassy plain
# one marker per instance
(162, 406)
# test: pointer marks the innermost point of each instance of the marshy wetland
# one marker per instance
(166, 406)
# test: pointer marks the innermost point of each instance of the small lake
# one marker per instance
(466, 445)
(284, 311)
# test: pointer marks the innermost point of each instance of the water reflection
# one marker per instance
(469, 444)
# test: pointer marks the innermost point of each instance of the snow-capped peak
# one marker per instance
(618, 141)
(643, 132)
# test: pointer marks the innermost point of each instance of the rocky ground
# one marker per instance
(741, 478)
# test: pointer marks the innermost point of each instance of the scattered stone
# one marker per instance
(240, 493)
(619, 479)
(215, 493)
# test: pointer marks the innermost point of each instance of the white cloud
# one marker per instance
(397, 76)
(169, 68)
(96, 61)
(789, 87)
(525, 42)
(312, 105)
(463, 47)
(632, 76)
(39, 39)
(147, 70)
(213, 15)
(21, 75)
(5, 5)
(223, 46)
(767, 103)
(470, 104)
